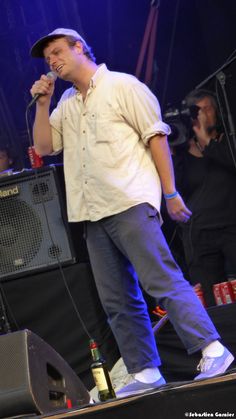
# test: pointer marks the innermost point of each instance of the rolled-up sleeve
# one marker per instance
(142, 111)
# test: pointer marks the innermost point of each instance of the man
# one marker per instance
(5, 159)
(206, 176)
(116, 158)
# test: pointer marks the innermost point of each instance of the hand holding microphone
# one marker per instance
(43, 88)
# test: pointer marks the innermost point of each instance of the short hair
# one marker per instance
(86, 48)
(198, 94)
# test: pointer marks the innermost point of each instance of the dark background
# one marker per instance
(193, 39)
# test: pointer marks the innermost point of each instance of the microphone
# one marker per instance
(51, 75)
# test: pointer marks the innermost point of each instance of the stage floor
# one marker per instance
(213, 397)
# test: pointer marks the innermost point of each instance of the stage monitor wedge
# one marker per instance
(34, 233)
(34, 378)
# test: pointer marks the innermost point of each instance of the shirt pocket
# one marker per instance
(105, 129)
(105, 125)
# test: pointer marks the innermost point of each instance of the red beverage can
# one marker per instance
(226, 291)
(217, 294)
(35, 159)
(233, 285)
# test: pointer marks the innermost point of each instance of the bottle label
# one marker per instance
(100, 379)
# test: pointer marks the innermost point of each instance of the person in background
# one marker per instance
(205, 172)
(116, 163)
(6, 159)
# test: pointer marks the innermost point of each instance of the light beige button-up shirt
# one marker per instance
(107, 162)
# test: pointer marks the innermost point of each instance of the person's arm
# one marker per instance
(161, 155)
(42, 130)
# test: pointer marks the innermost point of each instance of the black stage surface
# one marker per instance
(213, 398)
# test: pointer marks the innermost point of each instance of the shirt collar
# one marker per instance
(98, 75)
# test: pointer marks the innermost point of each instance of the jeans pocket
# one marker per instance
(153, 212)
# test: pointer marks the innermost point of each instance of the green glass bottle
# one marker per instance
(101, 374)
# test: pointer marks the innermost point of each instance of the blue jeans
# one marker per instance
(129, 242)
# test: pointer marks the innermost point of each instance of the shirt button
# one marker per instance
(86, 182)
(84, 114)
(83, 148)
(83, 165)
(83, 131)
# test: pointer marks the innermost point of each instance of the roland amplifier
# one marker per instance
(34, 232)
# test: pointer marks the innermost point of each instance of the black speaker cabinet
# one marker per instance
(33, 227)
(34, 378)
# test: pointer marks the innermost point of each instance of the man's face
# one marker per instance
(4, 161)
(207, 107)
(62, 58)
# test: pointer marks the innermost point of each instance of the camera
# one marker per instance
(180, 121)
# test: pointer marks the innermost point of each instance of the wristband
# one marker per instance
(171, 195)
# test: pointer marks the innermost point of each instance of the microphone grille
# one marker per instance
(52, 75)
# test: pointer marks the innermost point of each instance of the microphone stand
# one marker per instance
(226, 64)
(4, 323)
(221, 77)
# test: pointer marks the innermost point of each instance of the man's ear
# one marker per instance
(79, 47)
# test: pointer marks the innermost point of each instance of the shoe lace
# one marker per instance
(205, 364)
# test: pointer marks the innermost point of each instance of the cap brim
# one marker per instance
(38, 48)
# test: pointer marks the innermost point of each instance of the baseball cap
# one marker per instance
(38, 47)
